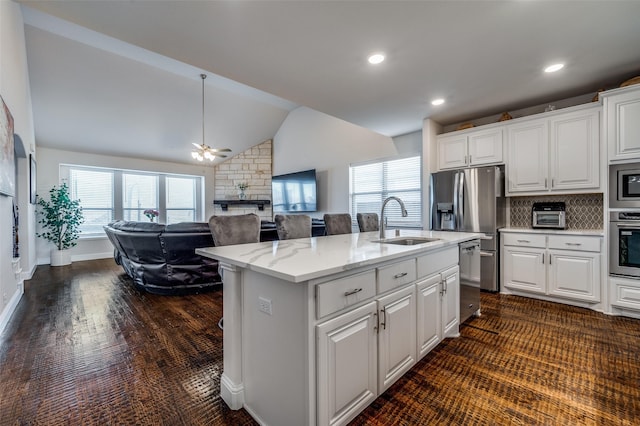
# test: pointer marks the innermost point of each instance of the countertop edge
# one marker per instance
(405, 251)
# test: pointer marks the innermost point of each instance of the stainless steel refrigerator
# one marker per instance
(472, 200)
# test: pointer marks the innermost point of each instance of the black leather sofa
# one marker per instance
(161, 259)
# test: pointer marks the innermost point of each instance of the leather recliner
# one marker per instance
(161, 259)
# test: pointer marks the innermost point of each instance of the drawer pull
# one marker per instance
(349, 293)
(573, 244)
(400, 275)
(524, 241)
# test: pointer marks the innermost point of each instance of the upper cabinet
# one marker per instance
(560, 152)
(622, 118)
(470, 148)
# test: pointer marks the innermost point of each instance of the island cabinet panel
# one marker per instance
(397, 274)
(451, 302)
(397, 336)
(429, 317)
(347, 365)
(341, 293)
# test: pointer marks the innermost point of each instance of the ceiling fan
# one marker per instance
(204, 151)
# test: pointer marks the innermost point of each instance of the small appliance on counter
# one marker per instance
(551, 215)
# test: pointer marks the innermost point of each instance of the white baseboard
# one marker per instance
(11, 307)
(79, 257)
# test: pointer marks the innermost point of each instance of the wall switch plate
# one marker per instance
(265, 305)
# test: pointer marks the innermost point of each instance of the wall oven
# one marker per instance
(624, 186)
(624, 247)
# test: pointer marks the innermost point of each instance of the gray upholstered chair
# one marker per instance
(290, 226)
(368, 222)
(339, 223)
(238, 229)
(230, 230)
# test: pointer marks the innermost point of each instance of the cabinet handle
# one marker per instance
(573, 244)
(384, 319)
(545, 183)
(349, 293)
(524, 241)
(553, 183)
(549, 259)
(469, 159)
(400, 275)
(543, 259)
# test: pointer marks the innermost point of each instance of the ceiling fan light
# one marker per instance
(208, 155)
(194, 154)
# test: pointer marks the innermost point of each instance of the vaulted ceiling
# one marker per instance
(122, 77)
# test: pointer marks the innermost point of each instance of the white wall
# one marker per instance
(309, 139)
(97, 248)
(14, 88)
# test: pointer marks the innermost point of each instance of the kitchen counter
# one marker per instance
(316, 328)
(304, 259)
(595, 232)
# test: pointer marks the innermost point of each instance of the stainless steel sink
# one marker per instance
(407, 241)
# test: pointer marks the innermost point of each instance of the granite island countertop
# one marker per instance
(304, 259)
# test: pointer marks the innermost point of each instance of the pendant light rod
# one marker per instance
(203, 76)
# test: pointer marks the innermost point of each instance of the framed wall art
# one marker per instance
(32, 179)
(7, 160)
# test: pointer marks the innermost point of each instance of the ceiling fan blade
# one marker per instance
(220, 150)
(221, 156)
(197, 145)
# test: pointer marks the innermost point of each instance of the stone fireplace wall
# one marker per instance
(253, 166)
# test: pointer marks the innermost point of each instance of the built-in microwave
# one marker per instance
(624, 185)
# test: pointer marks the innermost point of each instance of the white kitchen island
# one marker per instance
(316, 328)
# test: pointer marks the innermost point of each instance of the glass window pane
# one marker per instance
(175, 216)
(94, 189)
(181, 192)
(139, 191)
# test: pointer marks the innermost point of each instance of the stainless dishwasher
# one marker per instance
(469, 279)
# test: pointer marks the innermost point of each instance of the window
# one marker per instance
(110, 194)
(373, 182)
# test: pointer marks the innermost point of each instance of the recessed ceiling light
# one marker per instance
(436, 102)
(554, 68)
(376, 58)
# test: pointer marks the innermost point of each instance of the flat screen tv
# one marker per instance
(294, 192)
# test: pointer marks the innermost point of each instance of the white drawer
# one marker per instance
(574, 242)
(396, 274)
(437, 261)
(626, 293)
(335, 295)
(525, 240)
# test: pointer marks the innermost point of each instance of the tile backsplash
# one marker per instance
(584, 211)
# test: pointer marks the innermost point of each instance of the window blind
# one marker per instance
(372, 183)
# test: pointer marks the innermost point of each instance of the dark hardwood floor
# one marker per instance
(86, 348)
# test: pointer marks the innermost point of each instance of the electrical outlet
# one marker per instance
(265, 305)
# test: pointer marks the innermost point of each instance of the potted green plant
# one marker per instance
(60, 218)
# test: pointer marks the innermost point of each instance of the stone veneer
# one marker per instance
(584, 211)
(252, 166)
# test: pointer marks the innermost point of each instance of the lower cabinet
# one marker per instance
(438, 309)
(565, 266)
(363, 352)
(625, 296)
(347, 364)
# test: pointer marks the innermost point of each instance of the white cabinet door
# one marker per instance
(485, 147)
(524, 269)
(429, 324)
(574, 275)
(575, 151)
(450, 302)
(397, 336)
(347, 365)
(527, 144)
(452, 152)
(622, 112)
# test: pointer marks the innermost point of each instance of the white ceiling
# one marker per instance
(122, 77)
